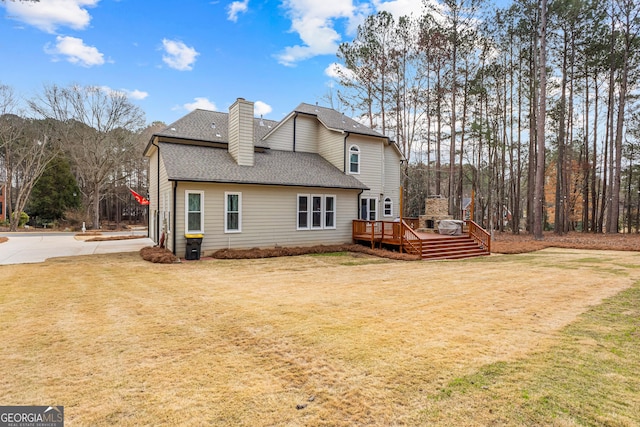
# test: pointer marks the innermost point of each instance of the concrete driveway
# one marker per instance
(33, 247)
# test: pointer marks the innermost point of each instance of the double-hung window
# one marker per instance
(354, 159)
(329, 211)
(368, 208)
(316, 212)
(194, 212)
(232, 212)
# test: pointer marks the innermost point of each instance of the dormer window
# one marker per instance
(354, 159)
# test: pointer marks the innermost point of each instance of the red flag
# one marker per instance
(139, 198)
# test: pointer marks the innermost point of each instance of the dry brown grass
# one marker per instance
(4, 239)
(358, 340)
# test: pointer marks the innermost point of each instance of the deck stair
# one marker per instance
(451, 247)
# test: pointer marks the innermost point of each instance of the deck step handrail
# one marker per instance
(410, 241)
(479, 234)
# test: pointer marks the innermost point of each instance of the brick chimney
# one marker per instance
(241, 132)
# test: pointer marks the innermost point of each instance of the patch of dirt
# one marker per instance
(4, 239)
(507, 243)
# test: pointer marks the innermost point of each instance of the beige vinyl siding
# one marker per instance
(282, 138)
(306, 131)
(153, 184)
(269, 217)
(241, 132)
(371, 163)
(331, 146)
(392, 177)
(157, 206)
(165, 208)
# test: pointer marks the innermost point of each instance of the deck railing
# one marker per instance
(479, 234)
(410, 241)
(390, 232)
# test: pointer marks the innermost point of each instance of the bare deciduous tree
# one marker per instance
(98, 131)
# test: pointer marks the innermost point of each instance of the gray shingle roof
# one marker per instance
(212, 126)
(272, 167)
(336, 120)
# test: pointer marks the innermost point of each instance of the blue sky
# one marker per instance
(171, 57)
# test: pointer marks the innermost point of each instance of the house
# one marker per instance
(245, 182)
(3, 215)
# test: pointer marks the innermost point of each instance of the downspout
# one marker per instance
(157, 216)
(358, 202)
(295, 118)
(344, 156)
(173, 237)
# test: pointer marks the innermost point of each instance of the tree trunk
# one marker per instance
(540, 127)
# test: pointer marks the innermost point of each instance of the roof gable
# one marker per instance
(335, 120)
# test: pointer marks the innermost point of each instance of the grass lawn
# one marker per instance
(546, 338)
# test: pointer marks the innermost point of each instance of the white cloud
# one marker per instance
(178, 55)
(201, 103)
(400, 7)
(131, 94)
(314, 22)
(236, 8)
(261, 109)
(338, 71)
(136, 94)
(76, 51)
(48, 15)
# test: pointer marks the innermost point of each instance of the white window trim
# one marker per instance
(376, 207)
(312, 212)
(226, 211)
(359, 159)
(186, 212)
(384, 207)
(309, 211)
(324, 212)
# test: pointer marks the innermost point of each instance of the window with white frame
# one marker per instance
(388, 207)
(368, 208)
(194, 211)
(232, 212)
(316, 212)
(354, 159)
(329, 211)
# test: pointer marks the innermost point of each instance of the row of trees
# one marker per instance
(493, 103)
(76, 146)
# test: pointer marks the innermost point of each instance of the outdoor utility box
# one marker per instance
(194, 241)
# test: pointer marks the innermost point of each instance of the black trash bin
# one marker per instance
(194, 241)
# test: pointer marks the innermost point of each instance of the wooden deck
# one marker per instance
(474, 241)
